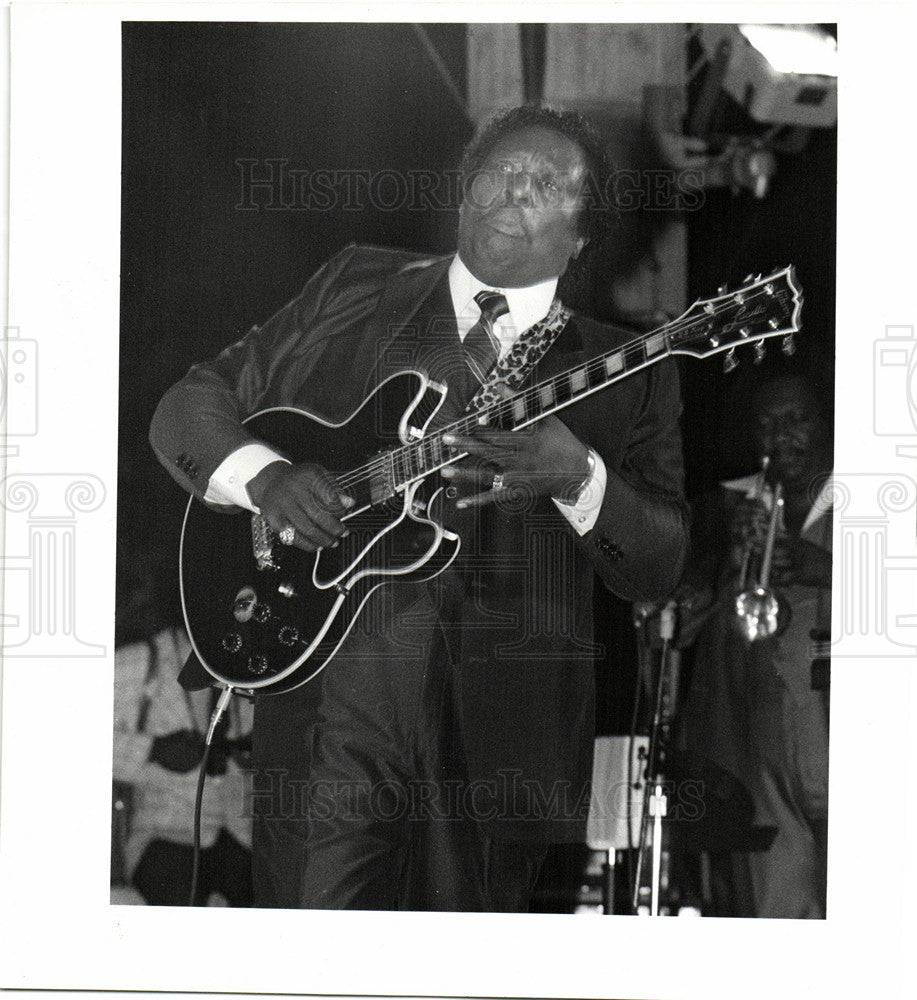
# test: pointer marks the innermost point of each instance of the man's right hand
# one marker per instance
(304, 497)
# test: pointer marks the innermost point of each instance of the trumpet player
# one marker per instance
(755, 721)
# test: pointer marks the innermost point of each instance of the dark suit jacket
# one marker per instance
(524, 628)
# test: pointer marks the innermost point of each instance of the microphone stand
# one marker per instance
(655, 805)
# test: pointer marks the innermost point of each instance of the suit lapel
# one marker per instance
(415, 328)
(396, 326)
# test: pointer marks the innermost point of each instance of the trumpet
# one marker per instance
(759, 613)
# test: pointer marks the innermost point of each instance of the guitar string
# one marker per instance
(504, 408)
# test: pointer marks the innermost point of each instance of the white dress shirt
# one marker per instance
(228, 483)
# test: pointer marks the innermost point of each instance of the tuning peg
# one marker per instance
(722, 289)
(760, 351)
(730, 360)
(788, 345)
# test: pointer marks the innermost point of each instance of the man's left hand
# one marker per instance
(547, 459)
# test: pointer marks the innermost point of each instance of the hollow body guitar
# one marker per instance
(264, 616)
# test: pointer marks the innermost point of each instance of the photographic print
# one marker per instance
(496, 501)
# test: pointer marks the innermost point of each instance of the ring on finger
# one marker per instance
(288, 535)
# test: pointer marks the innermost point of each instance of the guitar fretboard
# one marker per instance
(392, 472)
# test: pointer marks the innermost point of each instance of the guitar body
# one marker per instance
(263, 615)
(276, 621)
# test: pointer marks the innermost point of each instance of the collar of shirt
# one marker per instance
(526, 305)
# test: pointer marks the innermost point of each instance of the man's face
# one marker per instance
(518, 220)
(791, 431)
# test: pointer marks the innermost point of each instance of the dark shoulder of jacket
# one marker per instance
(359, 272)
(362, 260)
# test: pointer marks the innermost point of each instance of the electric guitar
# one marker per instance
(264, 615)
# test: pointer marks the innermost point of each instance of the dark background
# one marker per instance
(198, 270)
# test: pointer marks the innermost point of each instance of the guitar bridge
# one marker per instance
(263, 543)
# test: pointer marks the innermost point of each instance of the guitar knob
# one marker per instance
(722, 289)
(232, 642)
(760, 351)
(261, 612)
(257, 664)
(288, 635)
(730, 361)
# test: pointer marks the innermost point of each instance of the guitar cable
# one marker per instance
(218, 711)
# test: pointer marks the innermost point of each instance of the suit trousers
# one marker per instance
(387, 818)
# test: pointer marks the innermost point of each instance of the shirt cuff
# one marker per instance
(583, 514)
(228, 483)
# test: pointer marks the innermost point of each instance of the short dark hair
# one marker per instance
(598, 210)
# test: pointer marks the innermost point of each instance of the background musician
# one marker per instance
(756, 715)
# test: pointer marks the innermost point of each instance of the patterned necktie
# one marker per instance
(482, 348)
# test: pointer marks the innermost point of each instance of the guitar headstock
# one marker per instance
(760, 309)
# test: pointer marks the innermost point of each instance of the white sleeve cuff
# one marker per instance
(583, 514)
(231, 477)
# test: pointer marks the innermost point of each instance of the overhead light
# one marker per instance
(794, 48)
(782, 74)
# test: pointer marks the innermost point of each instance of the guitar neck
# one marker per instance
(402, 466)
(553, 394)
(762, 308)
